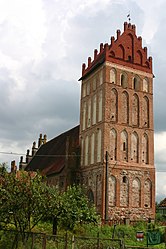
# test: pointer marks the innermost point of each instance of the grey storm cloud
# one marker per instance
(39, 71)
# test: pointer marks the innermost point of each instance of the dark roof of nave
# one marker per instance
(163, 203)
(125, 50)
(50, 158)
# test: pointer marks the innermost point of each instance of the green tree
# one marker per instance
(25, 200)
(76, 209)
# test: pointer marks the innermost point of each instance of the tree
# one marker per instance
(76, 208)
(25, 200)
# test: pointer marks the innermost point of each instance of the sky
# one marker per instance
(43, 44)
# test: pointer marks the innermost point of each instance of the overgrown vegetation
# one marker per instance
(28, 204)
(26, 200)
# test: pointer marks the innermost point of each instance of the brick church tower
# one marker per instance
(116, 128)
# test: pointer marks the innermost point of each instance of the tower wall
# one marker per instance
(117, 117)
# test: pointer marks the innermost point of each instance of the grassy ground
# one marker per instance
(124, 232)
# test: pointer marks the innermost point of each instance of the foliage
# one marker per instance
(26, 200)
(76, 208)
(3, 168)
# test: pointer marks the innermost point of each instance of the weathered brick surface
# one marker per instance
(123, 74)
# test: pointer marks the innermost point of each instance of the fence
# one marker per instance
(13, 240)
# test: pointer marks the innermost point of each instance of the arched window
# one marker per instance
(112, 190)
(114, 105)
(92, 148)
(89, 113)
(86, 150)
(99, 145)
(90, 196)
(84, 90)
(125, 108)
(94, 84)
(136, 83)
(148, 194)
(101, 77)
(88, 88)
(136, 193)
(84, 116)
(98, 192)
(124, 192)
(134, 147)
(100, 106)
(113, 75)
(123, 80)
(94, 110)
(124, 146)
(135, 110)
(145, 112)
(145, 149)
(113, 144)
(82, 150)
(145, 85)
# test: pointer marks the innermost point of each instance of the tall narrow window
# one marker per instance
(86, 150)
(98, 192)
(100, 106)
(94, 110)
(89, 113)
(113, 76)
(113, 144)
(145, 112)
(136, 83)
(92, 148)
(84, 90)
(134, 147)
(136, 193)
(145, 85)
(101, 77)
(99, 146)
(148, 194)
(125, 108)
(82, 151)
(94, 84)
(84, 116)
(145, 149)
(123, 80)
(114, 105)
(88, 88)
(135, 110)
(124, 146)
(124, 192)
(112, 190)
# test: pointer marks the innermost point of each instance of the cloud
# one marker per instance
(42, 47)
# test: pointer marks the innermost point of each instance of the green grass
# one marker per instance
(125, 232)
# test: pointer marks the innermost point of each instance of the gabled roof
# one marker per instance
(125, 50)
(51, 156)
(163, 203)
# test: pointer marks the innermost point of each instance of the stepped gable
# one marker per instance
(51, 156)
(125, 50)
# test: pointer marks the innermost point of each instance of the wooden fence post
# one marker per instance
(33, 239)
(73, 242)
(98, 241)
(44, 241)
(65, 247)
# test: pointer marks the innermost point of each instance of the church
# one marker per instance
(111, 152)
